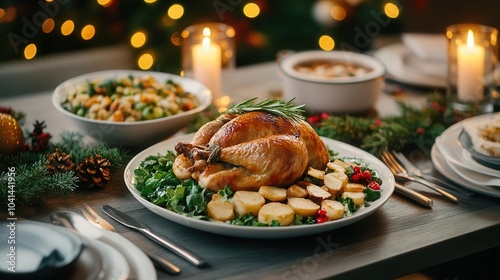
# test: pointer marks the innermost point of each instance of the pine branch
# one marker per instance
(276, 107)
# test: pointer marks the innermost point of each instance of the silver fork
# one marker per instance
(401, 173)
(415, 171)
(98, 221)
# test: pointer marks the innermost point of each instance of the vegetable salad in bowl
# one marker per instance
(129, 98)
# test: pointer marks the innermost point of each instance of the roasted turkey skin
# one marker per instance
(250, 150)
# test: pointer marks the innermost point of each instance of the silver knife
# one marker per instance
(130, 222)
(431, 185)
(422, 199)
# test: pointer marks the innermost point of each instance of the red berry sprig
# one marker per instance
(321, 216)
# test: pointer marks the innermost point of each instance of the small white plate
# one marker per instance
(402, 68)
(344, 150)
(442, 166)
(450, 146)
(39, 248)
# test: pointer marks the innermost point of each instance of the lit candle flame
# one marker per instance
(206, 34)
(470, 39)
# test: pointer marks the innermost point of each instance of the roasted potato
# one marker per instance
(336, 166)
(334, 184)
(334, 209)
(357, 197)
(296, 191)
(247, 202)
(273, 193)
(303, 206)
(354, 187)
(316, 173)
(276, 211)
(219, 209)
(317, 194)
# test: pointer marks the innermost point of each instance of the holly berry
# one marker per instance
(321, 216)
(356, 169)
(374, 186)
(356, 177)
(366, 175)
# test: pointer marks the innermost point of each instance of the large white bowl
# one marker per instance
(333, 94)
(132, 134)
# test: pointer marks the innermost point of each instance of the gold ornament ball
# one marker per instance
(11, 135)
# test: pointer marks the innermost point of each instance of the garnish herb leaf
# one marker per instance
(281, 108)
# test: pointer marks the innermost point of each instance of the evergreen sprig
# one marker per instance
(414, 126)
(33, 180)
(277, 107)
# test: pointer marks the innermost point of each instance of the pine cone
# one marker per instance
(59, 162)
(94, 172)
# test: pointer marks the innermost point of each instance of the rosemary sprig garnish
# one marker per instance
(281, 108)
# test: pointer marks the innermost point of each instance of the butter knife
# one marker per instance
(415, 196)
(130, 222)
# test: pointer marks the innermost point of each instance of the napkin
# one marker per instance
(426, 45)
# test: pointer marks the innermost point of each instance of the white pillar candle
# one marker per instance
(470, 68)
(207, 64)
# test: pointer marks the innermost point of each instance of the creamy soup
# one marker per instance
(331, 69)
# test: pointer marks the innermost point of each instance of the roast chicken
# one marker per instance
(247, 151)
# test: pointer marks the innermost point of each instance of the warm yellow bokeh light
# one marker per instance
(149, 1)
(30, 51)
(338, 12)
(145, 61)
(230, 32)
(3, 15)
(104, 3)
(326, 43)
(175, 11)
(67, 27)
(391, 10)
(88, 32)
(48, 25)
(10, 14)
(138, 39)
(251, 10)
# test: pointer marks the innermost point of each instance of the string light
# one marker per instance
(175, 11)
(391, 10)
(149, 1)
(138, 39)
(104, 3)
(326, 43)
(3, 15)
(48, 25)
(88, 32)
(251, 10)
(30, 51)
(67, 27)
(145, 61)
(338, 13)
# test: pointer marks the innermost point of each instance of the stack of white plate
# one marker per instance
(419, 60)
(45, 251)
(455, 162)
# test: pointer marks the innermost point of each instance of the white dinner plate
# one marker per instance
(140, 266)
(114, 263)
(343, 150)
(403, 67)
(442, 166)
(449, 145)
